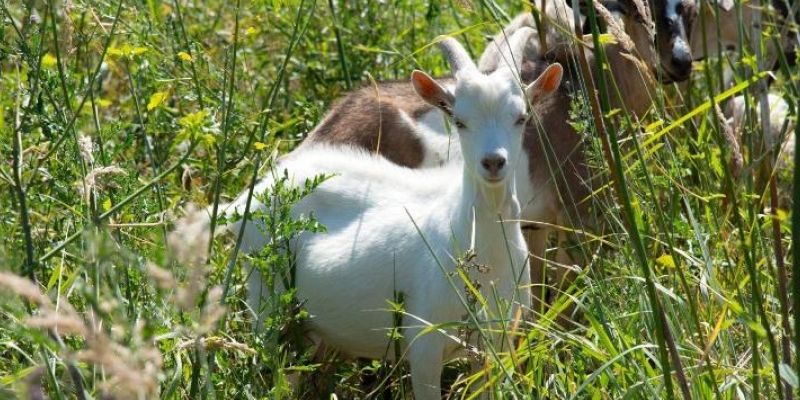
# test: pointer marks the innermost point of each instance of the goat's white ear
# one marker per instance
(432, 92)
(547, 82)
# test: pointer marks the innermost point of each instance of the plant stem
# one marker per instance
(796, 243)
(340, 46)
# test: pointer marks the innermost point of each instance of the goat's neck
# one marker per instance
(482, 208)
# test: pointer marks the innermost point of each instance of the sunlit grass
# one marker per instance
(186, 103)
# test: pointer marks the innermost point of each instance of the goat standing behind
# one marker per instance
(708, 38)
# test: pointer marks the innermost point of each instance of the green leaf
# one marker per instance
(126, 51)
(54, 276)
(193, 120)
(757, 329)
(302, 368)
(18, 375)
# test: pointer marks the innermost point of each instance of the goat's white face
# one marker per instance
(489, 113)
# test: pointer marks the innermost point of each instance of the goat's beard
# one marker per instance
(501, 199)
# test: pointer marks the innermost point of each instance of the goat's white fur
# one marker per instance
(781, 126)
(372, 250)
(440, 143)
(379, 216)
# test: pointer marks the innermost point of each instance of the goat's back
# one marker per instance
(377, 118)
(375, 215)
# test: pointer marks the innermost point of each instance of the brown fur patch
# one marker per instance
(371, 119)
(555, 151)
(633, 85)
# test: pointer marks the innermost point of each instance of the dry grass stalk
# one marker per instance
(615, 27)
(67, 323)
(186, 297)
(212, 311)
(85, 147)
(644, 11)
(215, 342)
(191, 235)
(24, 288)
(99, 179)
(737, 161)
(35, 387)
(133, 373)
(642, 68)
(163, 278)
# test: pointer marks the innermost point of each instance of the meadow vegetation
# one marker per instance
(118, 116)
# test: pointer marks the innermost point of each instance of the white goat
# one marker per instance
(392, 229)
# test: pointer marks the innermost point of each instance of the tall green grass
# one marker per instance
(115, 115)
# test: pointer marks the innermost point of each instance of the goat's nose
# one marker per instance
(683, 66)
(493, 163)
(681, 60)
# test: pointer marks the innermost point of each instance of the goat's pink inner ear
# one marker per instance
(552, 78)
(546, 83)
(425, 86)
(429, 90)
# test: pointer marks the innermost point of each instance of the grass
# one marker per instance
(117, 114)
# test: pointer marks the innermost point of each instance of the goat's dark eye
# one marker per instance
(460, 125)
(521, 120)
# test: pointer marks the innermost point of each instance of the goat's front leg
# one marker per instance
(568, 266)
(537, 245)
(425, 360)
(476, 365)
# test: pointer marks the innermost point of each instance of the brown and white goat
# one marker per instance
(559, 24)
(633, 90)
(660, 32)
